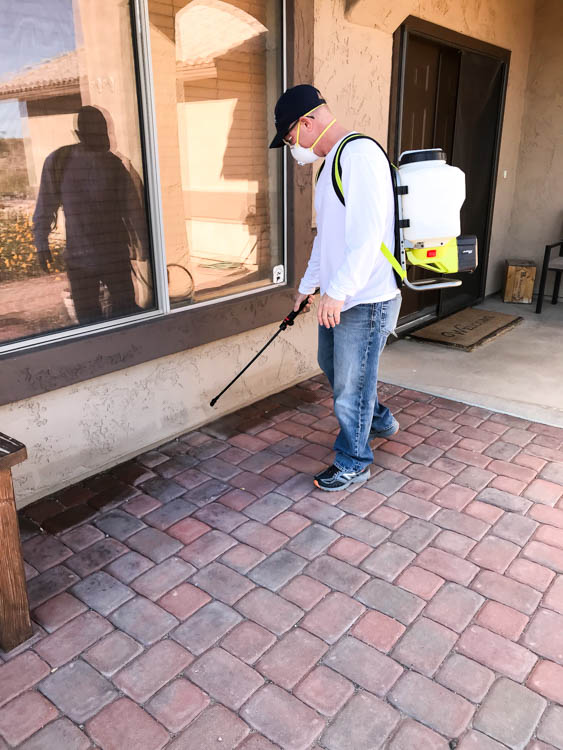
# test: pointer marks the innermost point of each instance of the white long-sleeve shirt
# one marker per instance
(346, 260)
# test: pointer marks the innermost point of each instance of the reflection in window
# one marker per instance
(74, 245)
(217, 74)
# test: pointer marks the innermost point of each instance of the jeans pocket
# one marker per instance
(390, 315)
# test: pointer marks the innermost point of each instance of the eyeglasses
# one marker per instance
(288, 139)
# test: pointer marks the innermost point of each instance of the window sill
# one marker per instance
(62, 363)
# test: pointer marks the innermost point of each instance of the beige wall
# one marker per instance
(44, 135)
(353, 53)
(537, 213)
(77, 431)
(107, 70)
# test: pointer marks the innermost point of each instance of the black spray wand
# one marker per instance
(287, 321)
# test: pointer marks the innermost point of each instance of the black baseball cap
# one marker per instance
(292, 105)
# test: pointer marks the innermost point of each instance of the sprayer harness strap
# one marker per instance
(399, 271)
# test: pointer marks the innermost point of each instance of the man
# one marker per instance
(104, 218)
(360, 300)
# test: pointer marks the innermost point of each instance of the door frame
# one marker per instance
(413, 26)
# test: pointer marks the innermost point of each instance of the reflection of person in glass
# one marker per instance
(104, 218)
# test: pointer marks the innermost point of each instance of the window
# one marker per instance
(74, 239)
(217, 72)
(82, 248)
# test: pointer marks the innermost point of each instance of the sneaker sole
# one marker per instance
(357, 480)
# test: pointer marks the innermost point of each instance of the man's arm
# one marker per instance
(368, 195)
(45, 214)
(311, 278)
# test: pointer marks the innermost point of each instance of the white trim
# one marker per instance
(76, 331)
(284, 150)
(150, 141)
(226, 297)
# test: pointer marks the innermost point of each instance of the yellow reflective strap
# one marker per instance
(312, 110)
(337, 176)
(397, 267)
(306, 115)
(321, 135)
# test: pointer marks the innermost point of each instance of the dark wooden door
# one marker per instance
(478, 108)
(429, 114)
(452, 99)
(419, 101)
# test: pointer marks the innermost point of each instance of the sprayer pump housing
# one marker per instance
(434, 195)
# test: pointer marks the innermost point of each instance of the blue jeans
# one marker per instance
(349, 356)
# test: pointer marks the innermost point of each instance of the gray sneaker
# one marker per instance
(334, 479)
(389, 432)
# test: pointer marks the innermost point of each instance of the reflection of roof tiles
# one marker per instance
(206, 29)
(59, 72)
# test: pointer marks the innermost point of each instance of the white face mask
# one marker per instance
(304, 155)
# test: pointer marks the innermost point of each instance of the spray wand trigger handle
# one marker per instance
(290, 318)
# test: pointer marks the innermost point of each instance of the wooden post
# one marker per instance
(15, 623)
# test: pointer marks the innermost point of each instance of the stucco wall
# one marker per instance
(537, 213)
(77, 431)
(353, 52)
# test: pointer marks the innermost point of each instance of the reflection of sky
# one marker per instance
(30, 31)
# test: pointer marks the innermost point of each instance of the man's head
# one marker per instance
(301, 105)
(92, 128)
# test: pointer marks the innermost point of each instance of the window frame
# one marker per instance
(59, 359)
(143, 57)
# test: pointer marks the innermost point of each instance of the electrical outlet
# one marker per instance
(278, 274)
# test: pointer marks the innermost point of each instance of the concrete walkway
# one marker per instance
(205, 596)
(519, 373)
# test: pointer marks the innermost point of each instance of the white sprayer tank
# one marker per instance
(436, 192)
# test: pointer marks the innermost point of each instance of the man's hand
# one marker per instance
(328, 313)
(44, 257)
(299, 299)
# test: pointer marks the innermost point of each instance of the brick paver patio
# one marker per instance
(205, 595)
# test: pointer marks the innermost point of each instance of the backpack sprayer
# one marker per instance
(429, 193)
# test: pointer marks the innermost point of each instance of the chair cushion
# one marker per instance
(556, 264)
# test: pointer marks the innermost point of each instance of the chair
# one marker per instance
(551, 264)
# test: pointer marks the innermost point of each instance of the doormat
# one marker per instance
(468, 329)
